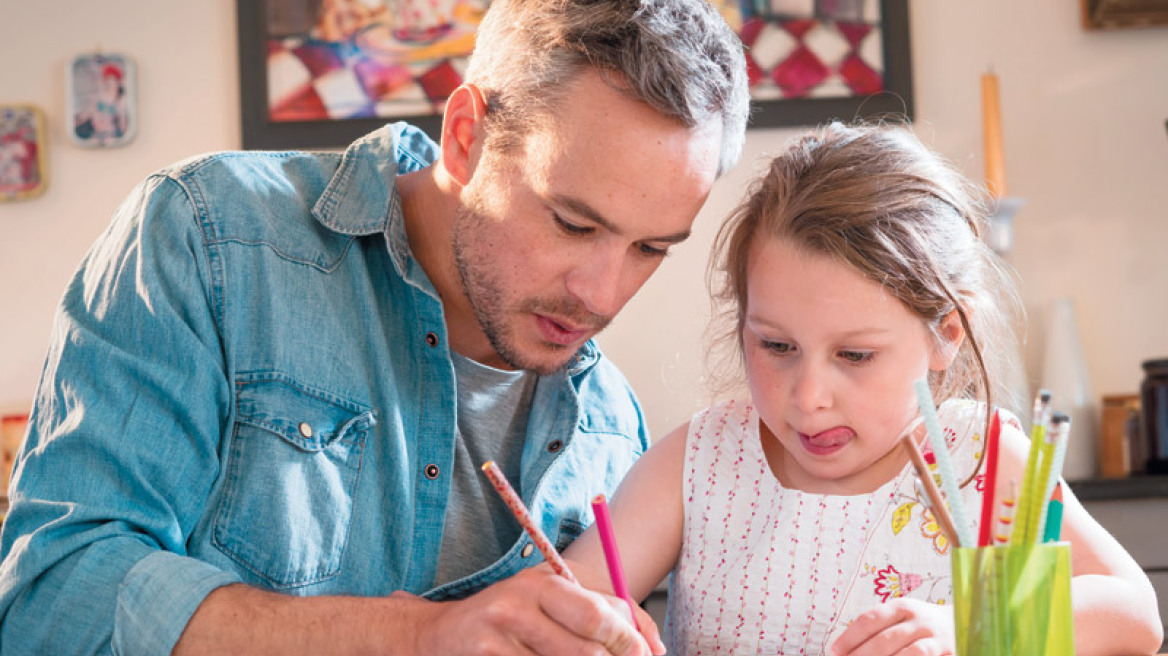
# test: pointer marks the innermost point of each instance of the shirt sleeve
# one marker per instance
(123, 447)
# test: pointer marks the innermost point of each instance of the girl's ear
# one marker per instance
(462, 132)
(951, 334)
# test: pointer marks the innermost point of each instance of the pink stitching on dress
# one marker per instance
(711, 484)
(744, 583)
(791, 575)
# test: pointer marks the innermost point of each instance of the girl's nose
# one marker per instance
(812, 390)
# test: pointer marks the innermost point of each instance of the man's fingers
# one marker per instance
(649, 631)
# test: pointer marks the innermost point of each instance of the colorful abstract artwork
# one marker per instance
(366, 58)
(323, 72)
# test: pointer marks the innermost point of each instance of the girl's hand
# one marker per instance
(908, 627)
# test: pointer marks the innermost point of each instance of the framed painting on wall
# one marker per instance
(321, 73)
(23, 173)
(102, 100)
(1111, 14)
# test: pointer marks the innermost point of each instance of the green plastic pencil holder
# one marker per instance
(1013, 599)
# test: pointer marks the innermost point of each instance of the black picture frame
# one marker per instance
(260, 133)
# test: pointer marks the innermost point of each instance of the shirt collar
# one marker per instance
(357, 198)
(361, 196)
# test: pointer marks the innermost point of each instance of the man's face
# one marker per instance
(554, 238)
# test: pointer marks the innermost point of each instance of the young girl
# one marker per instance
(791, 520)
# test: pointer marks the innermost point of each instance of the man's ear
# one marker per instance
(461, 130)
(951, 333)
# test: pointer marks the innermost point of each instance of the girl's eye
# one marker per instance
(570, 228)
(781, 348)
(857, 357)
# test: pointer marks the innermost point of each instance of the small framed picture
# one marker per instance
(23, 173)
(102, 100)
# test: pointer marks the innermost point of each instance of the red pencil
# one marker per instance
(985, 529)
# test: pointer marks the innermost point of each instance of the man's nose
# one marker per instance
(599, 282)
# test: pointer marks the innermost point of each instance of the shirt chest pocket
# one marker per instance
(294, 463)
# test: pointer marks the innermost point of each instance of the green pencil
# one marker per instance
(1054, 516)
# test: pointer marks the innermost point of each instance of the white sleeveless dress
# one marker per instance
(768, 570)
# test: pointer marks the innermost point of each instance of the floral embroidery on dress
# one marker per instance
(932, 531)
(902, 517)
(891, 584)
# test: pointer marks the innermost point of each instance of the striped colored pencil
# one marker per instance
(961, 523)
(1007, 514)
(1023, 520)
(1060, 433)
(520, 511)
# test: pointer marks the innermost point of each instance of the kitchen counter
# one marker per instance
(1113, 489)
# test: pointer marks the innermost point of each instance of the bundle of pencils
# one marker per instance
(1027, 517)
(1048, 447)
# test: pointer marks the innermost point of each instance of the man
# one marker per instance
(273, 380)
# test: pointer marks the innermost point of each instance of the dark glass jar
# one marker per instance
(1154, 397)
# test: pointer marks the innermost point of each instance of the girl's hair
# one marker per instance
(878, 200)
(678, 56)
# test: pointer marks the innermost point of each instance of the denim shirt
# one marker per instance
(249, 381)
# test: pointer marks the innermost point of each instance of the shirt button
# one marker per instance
(305, 429)
(431, 339)
(431, 471)
(554, 446)
(527, 549)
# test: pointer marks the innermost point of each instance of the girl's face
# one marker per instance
(831, 360)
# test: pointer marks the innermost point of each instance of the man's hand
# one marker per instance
(907, 627)
(533, 612)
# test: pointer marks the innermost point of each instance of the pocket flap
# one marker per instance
(309, 419)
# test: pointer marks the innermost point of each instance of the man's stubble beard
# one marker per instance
(488, 302)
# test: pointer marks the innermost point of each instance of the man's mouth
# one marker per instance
(560, 332)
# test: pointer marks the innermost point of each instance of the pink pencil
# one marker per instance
(611, 556)
(985, 530)
(520, 511)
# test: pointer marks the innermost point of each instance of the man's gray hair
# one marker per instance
(678, 56)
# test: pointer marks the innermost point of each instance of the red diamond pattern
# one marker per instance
(800, 71)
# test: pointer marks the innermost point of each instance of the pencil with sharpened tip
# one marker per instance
(515, 504)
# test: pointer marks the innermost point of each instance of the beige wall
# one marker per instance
(1085, 146)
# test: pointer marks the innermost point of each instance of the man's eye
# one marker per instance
(653, 251)
(570, 228)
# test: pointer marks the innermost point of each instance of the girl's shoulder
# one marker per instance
(730, 425)
(964, 424)
(965, 418)
(737, 410)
